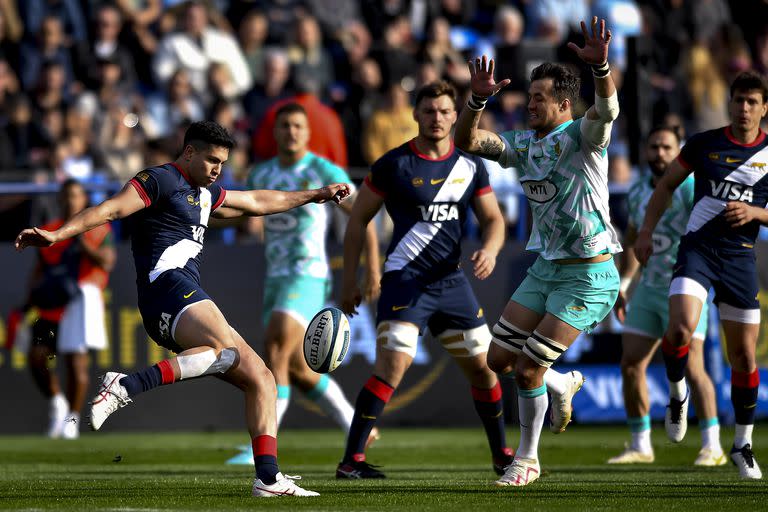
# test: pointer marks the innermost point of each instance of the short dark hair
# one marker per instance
(565, 83)
(674, 130)
(207, 133)
(291, 108)
(435, 90)
(750, 80)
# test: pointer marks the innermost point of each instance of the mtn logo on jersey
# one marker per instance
(439, 212)
(539, 191)
(280, 222)
(731, 191)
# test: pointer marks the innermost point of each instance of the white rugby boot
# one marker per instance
(284, 486)
(111, 397)
(709, 457)
(744, 459)
(521, 472)
(562, 405)
(676, 418)
(57, 412)
(632, 456)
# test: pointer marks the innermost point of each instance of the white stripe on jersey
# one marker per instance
(706, 209)
(751, 171)
(175, 256)
(421, 234)
(205, 206)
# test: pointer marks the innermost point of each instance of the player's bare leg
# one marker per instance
(486, 394)
(684, 312)
(393, 358)
(39, 358)
(704, 400)
(283, 338)
(550, 338)
(510, 334)
(637, 352)
(741, 343)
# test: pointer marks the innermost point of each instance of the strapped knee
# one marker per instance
(509, 337)
(398, 336)
(466, 343)
(542, 350)
(206, 363)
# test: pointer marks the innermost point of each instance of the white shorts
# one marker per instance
(82, 324)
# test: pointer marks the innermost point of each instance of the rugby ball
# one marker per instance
(326, 340)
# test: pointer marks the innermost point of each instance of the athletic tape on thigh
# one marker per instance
(398, 336)
(543, 350)
(466, 343)
(744, 316)
(206, 363)
(688, 286)
(509, 337)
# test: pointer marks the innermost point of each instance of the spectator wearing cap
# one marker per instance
(195, 47)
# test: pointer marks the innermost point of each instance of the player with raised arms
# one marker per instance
(729, 165)
(172, 204)
(427, 186)
(573, 284)
(298, 275)
(646, 314)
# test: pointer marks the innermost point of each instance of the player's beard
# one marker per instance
(657, 170)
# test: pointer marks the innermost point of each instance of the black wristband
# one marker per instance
(476, 103)
(602, 70)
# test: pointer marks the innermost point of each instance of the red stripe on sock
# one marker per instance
(745, 380)
(672, 350)
(166, 372)
(379, 388)
(359, 457)
(487, 395)
(264, 445)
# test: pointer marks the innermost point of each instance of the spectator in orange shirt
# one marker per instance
(326, 130)
(67, 286)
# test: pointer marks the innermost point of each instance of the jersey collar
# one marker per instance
(559, 128)
(298, 165)
(760, 137)
(181, 171)
(412, 145)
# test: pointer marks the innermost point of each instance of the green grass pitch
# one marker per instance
(428, 469)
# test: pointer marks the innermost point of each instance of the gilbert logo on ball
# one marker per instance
(326, 340)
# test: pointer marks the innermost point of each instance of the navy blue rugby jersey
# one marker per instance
(428, 201)
(724, 170)
(170, 231)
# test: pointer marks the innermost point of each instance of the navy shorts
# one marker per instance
(448, 303)
(731, 272)
(162, 302)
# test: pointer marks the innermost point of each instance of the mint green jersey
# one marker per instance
(295, 240)
(666, 237)
(565, 178)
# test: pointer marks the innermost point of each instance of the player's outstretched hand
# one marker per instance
(620, 308)
(643, 246)
(335, 192)
(595, 50)
(350, 300)
(484, 263)
(739, 213)
(481, 77)
(34, 237)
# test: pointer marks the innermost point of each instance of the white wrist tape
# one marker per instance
(624, 284)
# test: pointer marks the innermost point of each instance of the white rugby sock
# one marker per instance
(532, 404)
(743, 435)
(678, 390)
(556, 382)
(327, 394)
